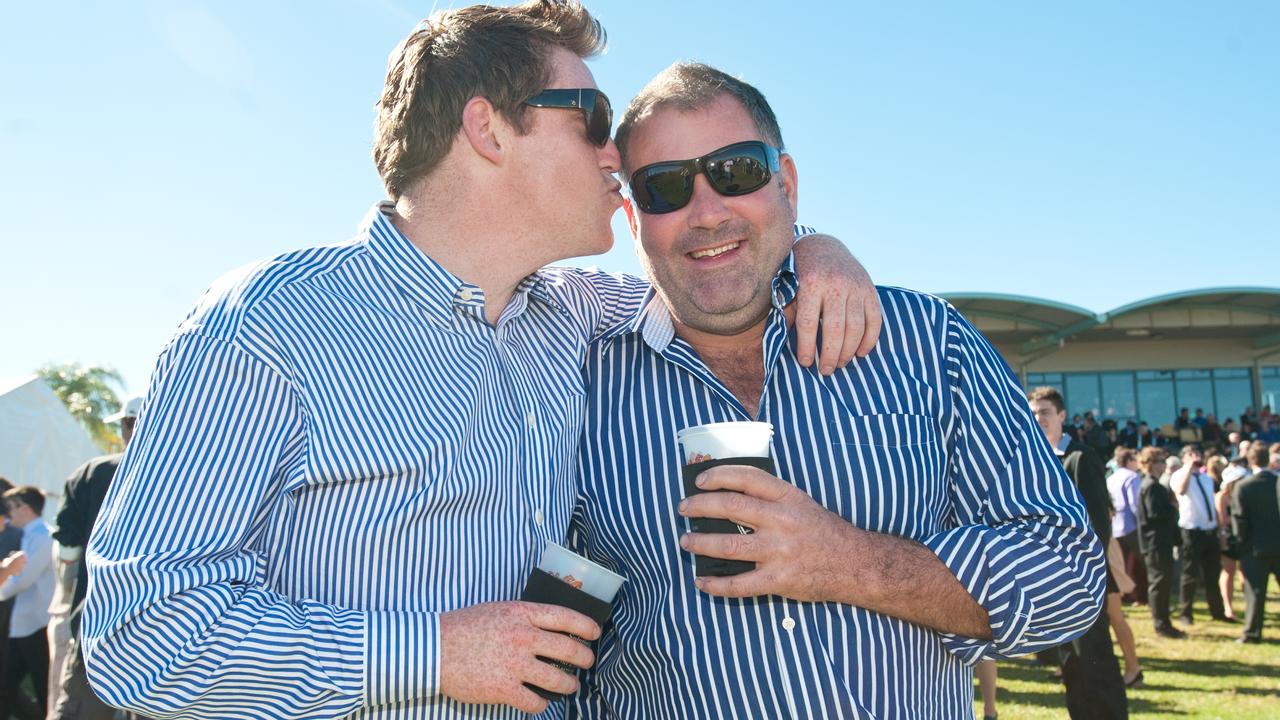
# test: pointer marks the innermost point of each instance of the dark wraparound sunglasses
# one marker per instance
(594, 105)
(737, 169)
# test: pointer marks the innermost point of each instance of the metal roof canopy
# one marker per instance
(1035, 324)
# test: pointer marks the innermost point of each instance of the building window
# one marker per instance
(1270, 388)
(1083, 395)
(1118, 399)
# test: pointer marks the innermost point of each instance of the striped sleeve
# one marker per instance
(1023, 547)
(178, 619)
(600, 301)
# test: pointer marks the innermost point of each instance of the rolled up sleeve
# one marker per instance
(1021, 545)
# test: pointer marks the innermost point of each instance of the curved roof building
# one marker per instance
(1214, 348)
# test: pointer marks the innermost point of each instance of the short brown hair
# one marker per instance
(689, 87)
(498, 53)
(1259, 455)
(1125, 455)
(28, 495)
(1049, 394)
(1149, 456)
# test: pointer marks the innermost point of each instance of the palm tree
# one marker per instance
(88, 394)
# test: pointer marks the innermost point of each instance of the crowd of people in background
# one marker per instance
(1202, 428)
(1192, 504)
(42, 588)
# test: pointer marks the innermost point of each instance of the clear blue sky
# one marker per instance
(1093, 153)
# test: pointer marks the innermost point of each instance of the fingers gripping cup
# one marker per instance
(725, 443)
(569, 580)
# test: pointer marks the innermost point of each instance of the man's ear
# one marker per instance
(485, 130)
(632, 221)
(790, 181)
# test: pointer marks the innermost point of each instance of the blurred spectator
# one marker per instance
(1090, 671)
(1200, 420)
(1128, 435)
(1224, 474)
(10, 544)
(1115, 613)
(1123, 487)
(1255, 515)
(1172, 464)
(1183, 420)
(1157, 536)
(1095, 437)
(1274, 452)
(1267, 432)
(86, 488)
(1237, 447)
(1143, 438)
(1198, 520)
(31, 589)
(1212, 430)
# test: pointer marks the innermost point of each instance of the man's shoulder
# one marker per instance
(99, 466)
(232, 298)
(1263, 482)
(903, 305)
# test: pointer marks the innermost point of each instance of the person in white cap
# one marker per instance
(70, 696)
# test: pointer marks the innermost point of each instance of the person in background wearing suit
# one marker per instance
(1095, 685)
(1157, 536)
(86, 488)
(1255, 518)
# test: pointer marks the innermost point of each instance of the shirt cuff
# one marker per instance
(403, 651)
(70, 553)
(969, 552)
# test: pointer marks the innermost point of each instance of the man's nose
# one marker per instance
(610, 158)
(707, 208)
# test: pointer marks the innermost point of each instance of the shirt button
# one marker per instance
(537, 517)
(532, 419)
(465, 294)
(788, 624)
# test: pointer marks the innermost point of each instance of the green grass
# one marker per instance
(1207, 675)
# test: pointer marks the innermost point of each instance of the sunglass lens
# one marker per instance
(739, 171)
(662, 189)
(600, 123)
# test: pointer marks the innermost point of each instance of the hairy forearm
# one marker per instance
(904, 579)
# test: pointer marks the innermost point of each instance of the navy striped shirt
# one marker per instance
(336, 448)
(928, 438)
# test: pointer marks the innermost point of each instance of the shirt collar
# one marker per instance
(429, 285)
(656, 327)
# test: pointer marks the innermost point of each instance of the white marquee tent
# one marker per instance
(41, 443)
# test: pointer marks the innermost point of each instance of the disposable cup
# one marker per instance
(718, 441)
(598, 582)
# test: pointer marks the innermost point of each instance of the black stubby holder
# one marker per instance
(704, 566)
(542, 587)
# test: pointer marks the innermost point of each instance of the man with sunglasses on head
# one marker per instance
(417, 388)
(918, 521)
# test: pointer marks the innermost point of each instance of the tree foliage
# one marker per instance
(88, 394)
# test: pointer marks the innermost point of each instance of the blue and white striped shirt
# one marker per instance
(929, 438)
(335, 449)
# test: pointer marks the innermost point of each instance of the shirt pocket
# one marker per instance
(890, 469)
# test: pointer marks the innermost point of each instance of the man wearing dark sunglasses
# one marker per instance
(352, 455)
(918, 521)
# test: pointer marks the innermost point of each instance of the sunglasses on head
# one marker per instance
(594, 105)
(737, 169)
